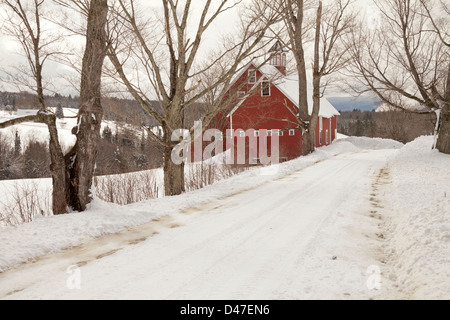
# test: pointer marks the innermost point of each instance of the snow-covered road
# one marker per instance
(311, 234)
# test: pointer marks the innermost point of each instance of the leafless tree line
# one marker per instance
(398, 125)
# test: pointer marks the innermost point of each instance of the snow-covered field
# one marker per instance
(360, 219)
(39, 131)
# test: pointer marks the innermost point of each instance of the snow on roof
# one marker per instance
(270, 72)
(289, 86)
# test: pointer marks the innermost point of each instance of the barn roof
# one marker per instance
(277, 47)
(288, 85)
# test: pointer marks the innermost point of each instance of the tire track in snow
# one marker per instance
(104, 246)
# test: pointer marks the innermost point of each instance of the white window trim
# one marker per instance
(292, 132)
(269, 133)
(320, 130)
(330, 131)
(256, 133)
(242, 133)
(252, 76)
(280, 133)
(262, 88)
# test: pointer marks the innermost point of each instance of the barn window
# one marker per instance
(256, 133)
(240, 94)
(291, 132)
(280, 133)
(276, 60)
(326, 136)
(283, 60)
(241, 134)
(269, 133)
(251, 76)
(265, 88)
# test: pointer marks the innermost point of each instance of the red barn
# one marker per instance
(264, 104)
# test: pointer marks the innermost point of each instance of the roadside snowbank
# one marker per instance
(51, 234)
(418, 221)
(374, 143)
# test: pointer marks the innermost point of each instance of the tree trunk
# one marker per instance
(57, 169)
(80, 161)
(443, 142)
(173, 174)
(303, 112)
(309, 144)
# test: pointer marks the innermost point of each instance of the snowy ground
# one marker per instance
(417, 210)
(39, 132)
(342, 223)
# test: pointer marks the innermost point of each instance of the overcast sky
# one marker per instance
(10, 52)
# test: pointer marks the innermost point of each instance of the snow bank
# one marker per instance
(51, 234)
(374, 143)
(418, 222)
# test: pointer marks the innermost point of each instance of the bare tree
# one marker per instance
(25, 25)
(404, 61)
(163, 57)
(442, 30)
(80, 161)
(293, 12)
(69, 190)
(330, 24)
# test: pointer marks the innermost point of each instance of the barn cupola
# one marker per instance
(278, 57)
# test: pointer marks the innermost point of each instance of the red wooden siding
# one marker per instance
(266, 112)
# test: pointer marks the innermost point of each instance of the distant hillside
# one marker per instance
(351, 103)
(115, 109)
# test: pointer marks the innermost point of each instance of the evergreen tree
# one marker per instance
(17, 144)
(13, 103)
(107, 134)
(59, 111)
